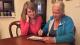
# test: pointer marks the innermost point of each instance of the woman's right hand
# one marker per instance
(27, 18)
(40, 32)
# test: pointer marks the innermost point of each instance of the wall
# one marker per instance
(5, 21)
(72, 9)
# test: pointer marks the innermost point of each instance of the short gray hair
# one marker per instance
(61, 5)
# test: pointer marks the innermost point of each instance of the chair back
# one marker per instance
(17, 24)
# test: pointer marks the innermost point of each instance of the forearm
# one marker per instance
(65, 38)
(35, 28)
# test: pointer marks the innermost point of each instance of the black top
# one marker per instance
(52, 32)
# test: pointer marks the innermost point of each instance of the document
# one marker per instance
(34, 38)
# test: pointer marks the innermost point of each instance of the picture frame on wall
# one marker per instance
(6, 8)
(9, 5)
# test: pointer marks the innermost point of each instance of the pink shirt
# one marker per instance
(33, 27)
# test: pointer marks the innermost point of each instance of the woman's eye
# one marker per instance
(29, 11)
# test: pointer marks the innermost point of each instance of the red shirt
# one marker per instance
(34, 28)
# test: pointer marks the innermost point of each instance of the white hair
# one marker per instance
(61, 4)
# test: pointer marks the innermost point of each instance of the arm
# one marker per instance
(45, 29)
(37, 26)
(69, 32)
(24, 27)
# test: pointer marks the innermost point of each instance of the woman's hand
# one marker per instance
(40, 32)
(49, 40)
(27, 18)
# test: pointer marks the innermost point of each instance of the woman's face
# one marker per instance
(31, 13)
(56, 11)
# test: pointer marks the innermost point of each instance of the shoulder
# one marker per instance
(67, 18)
(39, 16)
(51, 17)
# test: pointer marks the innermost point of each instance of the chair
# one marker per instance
(73, 43)
(16, 23)
(74, 35)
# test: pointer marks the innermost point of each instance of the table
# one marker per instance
(22, 40)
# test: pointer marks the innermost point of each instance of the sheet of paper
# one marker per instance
(35, 38)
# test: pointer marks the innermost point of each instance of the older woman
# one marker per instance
(30, 22)
(60, 28)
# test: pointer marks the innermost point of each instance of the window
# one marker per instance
(6, 7)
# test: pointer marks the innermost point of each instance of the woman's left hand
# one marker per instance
(48, 39)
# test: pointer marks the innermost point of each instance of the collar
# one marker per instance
(61, 22)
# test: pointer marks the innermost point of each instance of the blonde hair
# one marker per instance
(29, 5)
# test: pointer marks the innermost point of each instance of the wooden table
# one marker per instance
(22, 41)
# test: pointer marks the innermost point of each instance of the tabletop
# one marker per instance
(22, 40)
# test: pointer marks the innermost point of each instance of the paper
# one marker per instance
(35, 38)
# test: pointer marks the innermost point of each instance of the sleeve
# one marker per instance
(69, 33)
(36, 27)
(45, 28)
(24, 27)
